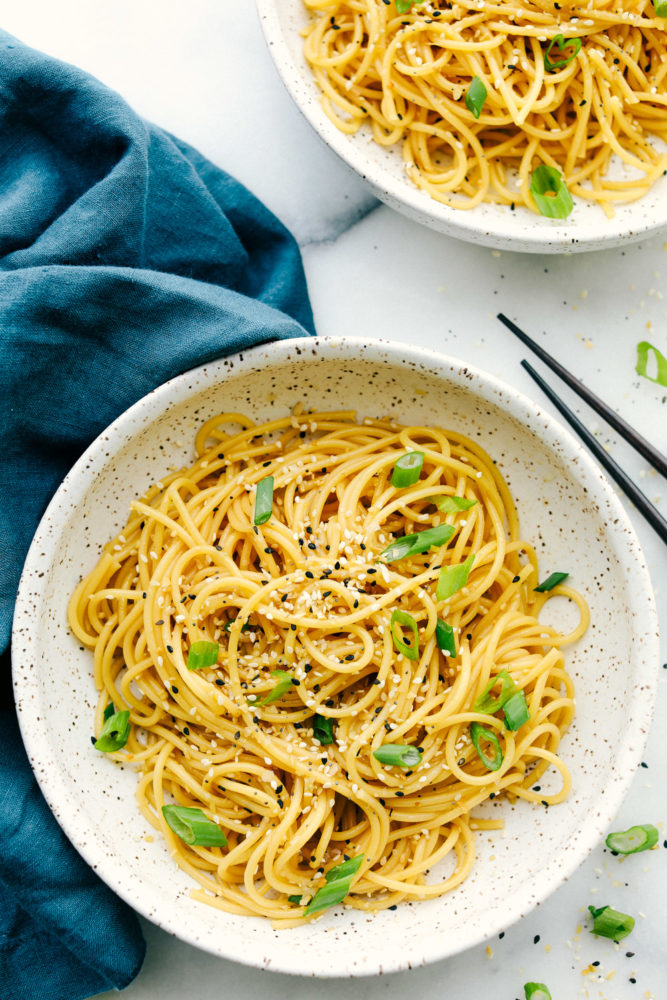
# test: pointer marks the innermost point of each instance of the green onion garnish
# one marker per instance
(475, 96)
(634, 840)
(644, 347)
(398, 755)
(323, 729)
(282, 687)
(660, 7)
(449, 505)
(202, 654)
(562, 44)
(227, 627)
(192, 826)
(536, 991)
(407, 469)
(489, 705)
(409, 649)
(479, 733)
(611, 923)
(295, 899)
(550, 192)
(551, 582)
(452, 578)
(403, 6)
(263, 500)
(339, 880)
(422, 541)
(516, 711)
(109, 711)
(115, 731)
(444, 637)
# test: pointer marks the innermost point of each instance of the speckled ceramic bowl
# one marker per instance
(566, 508)
(587, 228)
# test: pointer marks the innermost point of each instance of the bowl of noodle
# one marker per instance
(367, 649)
(517, 124)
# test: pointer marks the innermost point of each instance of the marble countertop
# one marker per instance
(201, 69)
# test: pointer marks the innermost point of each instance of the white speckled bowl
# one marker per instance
(566, 508)
(587, 228)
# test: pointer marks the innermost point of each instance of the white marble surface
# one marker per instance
(201, 70)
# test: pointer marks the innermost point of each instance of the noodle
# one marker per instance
(306, 593)
(408, 74)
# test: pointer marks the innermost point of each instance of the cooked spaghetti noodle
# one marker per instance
(407, 75)
(319, 595)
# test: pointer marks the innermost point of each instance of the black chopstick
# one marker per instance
(639, 443)
(642, 503)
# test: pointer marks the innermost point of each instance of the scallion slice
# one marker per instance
(444, 638)
(227, 627)
(115, 732)
(422, 541)
(475, 97)
(296, 899)
(285, 682)
(550, 192)
(109, 711)
(398, 755)
(323, 729)
(453, 578)
(488, 704)
(478, 733)
(516, 711)
(611, 923)
(409, 649)
(339, 881)
(193, 827)
(561, 44)
(643, 347)
(202, 654)
(449, 505)
(660, 8)
(536, 991)
(263, 500)
(407, 469)
(634, 840)
(551, 582)
(403, 6)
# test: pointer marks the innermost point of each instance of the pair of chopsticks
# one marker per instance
(640, 444)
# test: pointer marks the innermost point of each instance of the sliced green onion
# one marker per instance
(550, 192)
(551, 582)
(339, 880)
(660, 7)
(562, 44)
(475, 97)
(422, 541)
(489, 705)
(263, 500)
(202, 654)
(109, 711)
(611, 923)
(323, 729)
(634, 840)
(115, 732)
(411, 650)
(192, 826)
(452, 578)
(644, 347)
(516, 711)
(449, 505)
(295, 899)
(444, 638)
(285, 682)
(536, 991)
(407, 469)
(479, 733)
(227, 627)
(398, 755)
(403, 6)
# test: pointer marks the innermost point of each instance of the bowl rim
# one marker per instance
(191, 384)
(537, 235)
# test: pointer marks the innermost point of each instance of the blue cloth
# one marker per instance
(125, 258)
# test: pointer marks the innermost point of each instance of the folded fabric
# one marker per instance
(125, 258)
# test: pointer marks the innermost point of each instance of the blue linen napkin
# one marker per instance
(125, 258)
